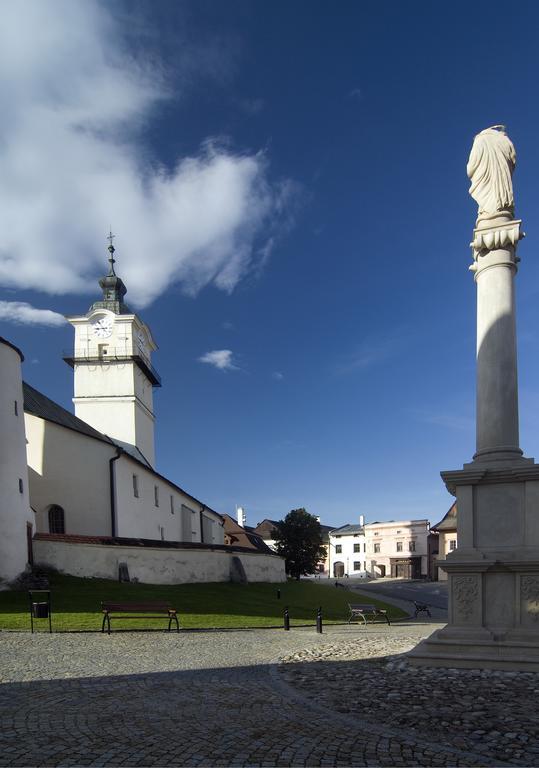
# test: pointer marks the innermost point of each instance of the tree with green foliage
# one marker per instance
(298, 538)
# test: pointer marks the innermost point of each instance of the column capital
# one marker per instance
(495, 234)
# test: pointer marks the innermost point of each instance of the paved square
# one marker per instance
(222, 699)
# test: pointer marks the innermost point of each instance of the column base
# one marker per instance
(502, 453)
(493, 575)
(468, 652)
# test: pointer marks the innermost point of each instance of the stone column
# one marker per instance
(495, 266)
(493, 575)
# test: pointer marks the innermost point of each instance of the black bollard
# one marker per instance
(286, 620)
(319, 621)
(278, 594)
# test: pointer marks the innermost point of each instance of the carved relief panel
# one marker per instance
(465, 594)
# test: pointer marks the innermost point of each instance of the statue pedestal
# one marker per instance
(494, 573)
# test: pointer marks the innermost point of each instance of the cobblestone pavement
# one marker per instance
(219, 699)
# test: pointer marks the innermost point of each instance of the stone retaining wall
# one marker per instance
(159, 565)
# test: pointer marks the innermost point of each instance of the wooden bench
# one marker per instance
(421, 608)
(366, 611)
(150, 611)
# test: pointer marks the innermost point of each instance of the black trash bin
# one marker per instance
(40, 606)
(41, 610)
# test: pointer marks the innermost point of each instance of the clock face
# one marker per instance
(102, 327)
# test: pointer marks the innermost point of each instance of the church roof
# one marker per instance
(42, 406)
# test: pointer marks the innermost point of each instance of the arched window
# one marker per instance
(56, 519)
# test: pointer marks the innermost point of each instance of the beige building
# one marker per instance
(447, 540)
(397, 548)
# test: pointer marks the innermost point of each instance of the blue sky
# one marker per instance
(286, 182)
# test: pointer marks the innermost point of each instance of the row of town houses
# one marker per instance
(407, 549)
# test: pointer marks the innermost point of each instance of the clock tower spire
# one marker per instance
(113, 374)
(112, 286)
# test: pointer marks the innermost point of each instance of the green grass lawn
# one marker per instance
(76, 604)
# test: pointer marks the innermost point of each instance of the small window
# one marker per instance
(357, 565)
(171, 504)
(357, 547)
(377, 547)
(398, 532)
(376, 533)
(411, 546)
(399, 546)
(452, 545)
(162, 532)
(21, 485)
(56, 519)
(338, 548)
(364, 546)
(135, 486)
(16, 408)
(102, 350)
(156, 495)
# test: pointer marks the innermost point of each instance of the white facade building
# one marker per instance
(347, 553)
(398, 548)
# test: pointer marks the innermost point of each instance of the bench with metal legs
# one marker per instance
(134, 611)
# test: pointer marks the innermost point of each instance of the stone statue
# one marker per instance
(490, 168)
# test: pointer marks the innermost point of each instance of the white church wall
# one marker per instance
(141, 517)
(144, 432)
(143, 389)
(111, 417)
(155, 565)
(100, 379)
(15, 512)
(71, 470)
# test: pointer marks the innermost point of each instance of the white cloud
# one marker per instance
(74, 102)
(277, 375)
(374, 350)
(447, 420)
(220, 358)
(21, 313)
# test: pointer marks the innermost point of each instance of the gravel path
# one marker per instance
(220, 699)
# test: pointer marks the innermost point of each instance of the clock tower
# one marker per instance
(114, 377)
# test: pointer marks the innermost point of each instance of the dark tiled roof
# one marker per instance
(448, 521)
(347, 530)
(244, 537)
(266, 528)
(40, 405)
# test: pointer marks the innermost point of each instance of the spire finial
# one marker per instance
(111, 249)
